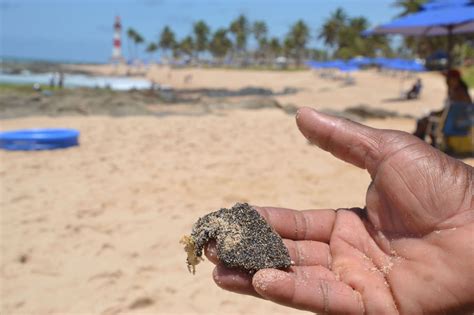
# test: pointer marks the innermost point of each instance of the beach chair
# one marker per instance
(348, 80)
(453, 133)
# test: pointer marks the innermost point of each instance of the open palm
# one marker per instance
(409, 251)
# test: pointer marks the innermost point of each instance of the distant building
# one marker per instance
(117, 42)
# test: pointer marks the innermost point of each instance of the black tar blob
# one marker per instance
(244, 239)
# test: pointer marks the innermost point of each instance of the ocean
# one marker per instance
(77, 80)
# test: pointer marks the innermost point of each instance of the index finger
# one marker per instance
(312, 225)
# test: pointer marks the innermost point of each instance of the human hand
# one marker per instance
(410, 250)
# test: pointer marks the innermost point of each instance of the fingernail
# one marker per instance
(297, 114)
(300, 110)
(319, 113)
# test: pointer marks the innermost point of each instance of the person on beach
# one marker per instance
(61, 80)
(52, 81)
(415, 90)
(457, 92)
(410, 250)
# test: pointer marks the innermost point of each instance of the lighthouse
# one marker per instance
(117, 43)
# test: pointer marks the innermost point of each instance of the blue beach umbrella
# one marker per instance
(361, 61)
(436, 18)
(404, 65)
(314, 64)
(433, 22)
(334, 64)
(439, 4)
(348, 68)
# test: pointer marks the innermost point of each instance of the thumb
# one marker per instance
(349, 141)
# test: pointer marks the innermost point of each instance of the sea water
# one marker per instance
(77, 80)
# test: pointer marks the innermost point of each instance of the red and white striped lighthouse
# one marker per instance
(117, 48)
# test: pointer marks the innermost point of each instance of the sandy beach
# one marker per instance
(94, 229)
(372, 88)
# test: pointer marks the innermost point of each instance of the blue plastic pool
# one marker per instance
(38, 139)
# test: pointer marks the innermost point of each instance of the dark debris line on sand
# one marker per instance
(243, 238)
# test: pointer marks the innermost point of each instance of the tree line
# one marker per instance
(340, 33)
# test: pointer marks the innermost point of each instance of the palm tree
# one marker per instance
(138, 40)
(239, 28)
(409, 6)
(422, 46)
(417, 46)
(260, 30)
(167, 39)
(331, 28)
(318, 54)
(201, 33)
(220, 44)
(131, 33)
(274, 46)
(379, 43)
(151, 49)
(359, 24)
(187, 46)
(299, 37)
(343, 35)
(349, 41)
(288, 47)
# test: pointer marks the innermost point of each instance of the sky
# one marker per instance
(81, 30)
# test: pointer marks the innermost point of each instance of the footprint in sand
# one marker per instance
(23, 258)
(141, 303)
(170, 290)
(89, 213)
(144, 270)
(175, 217)
(107, 275)
(105, 247)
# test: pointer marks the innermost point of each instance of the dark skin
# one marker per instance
(409, 251)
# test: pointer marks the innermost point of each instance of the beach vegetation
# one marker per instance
(201, 37)
(135, 39)
(138, 40)
(151, 48)
(332, 27)
(468, 76)
(342, 34)
(409, 6)
(220, 44)
(240, 30)
(167, 40)
(184, 48)
(245, 43)
(22, 88)
(296, 41)
(274, 47)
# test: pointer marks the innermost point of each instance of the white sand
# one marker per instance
(99, 224)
